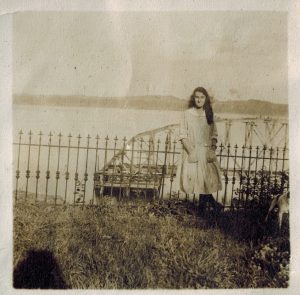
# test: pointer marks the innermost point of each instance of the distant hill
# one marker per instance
(252, 107)
(249, 107)
(134, 102)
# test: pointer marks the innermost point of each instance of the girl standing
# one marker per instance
(199, 170)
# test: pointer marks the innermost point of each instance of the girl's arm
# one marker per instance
(187, 146)
(183, 134)
(214, 136)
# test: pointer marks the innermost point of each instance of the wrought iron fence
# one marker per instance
(59, 169)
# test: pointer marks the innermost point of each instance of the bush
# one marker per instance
(257, 190)
(271, 259)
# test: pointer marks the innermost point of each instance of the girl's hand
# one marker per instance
(192, 157)
(214, 144)
(211, 156)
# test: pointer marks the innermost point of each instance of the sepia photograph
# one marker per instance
(150, 150)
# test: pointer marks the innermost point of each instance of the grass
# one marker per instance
(135, 244)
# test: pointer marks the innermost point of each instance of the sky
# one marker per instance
(235, 55)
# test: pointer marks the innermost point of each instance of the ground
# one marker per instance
(137, 244)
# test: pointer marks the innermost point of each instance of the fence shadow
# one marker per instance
(39, 270)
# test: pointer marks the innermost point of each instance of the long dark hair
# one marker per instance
(207, 104)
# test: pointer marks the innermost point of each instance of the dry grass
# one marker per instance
(134, 245)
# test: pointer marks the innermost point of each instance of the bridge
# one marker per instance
(149, 158)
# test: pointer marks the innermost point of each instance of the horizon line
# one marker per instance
(146, 95)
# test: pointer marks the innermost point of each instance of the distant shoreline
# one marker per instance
(257, 108)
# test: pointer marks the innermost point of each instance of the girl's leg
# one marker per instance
(211, 201)
(202, 203)
(214, 204)
(208, 202)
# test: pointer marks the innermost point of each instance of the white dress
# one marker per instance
(201, 177)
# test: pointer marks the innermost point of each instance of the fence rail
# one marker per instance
(59, 170)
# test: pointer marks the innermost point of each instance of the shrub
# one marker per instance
(271, 260)
(257, 190)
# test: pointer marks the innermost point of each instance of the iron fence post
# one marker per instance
(57, 168)
(18, 165)
(28, 165)
(38, 166)
(220, 161)
(48, 163)
(233, 174)
(226, 175)
(86, 167)
(76, 171)
(248, 178)
(95, 167)
(164, 167)
(67, 174)
(172, 168)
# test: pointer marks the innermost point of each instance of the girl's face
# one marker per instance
(199, 99)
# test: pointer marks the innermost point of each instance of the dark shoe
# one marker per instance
(203, 204)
